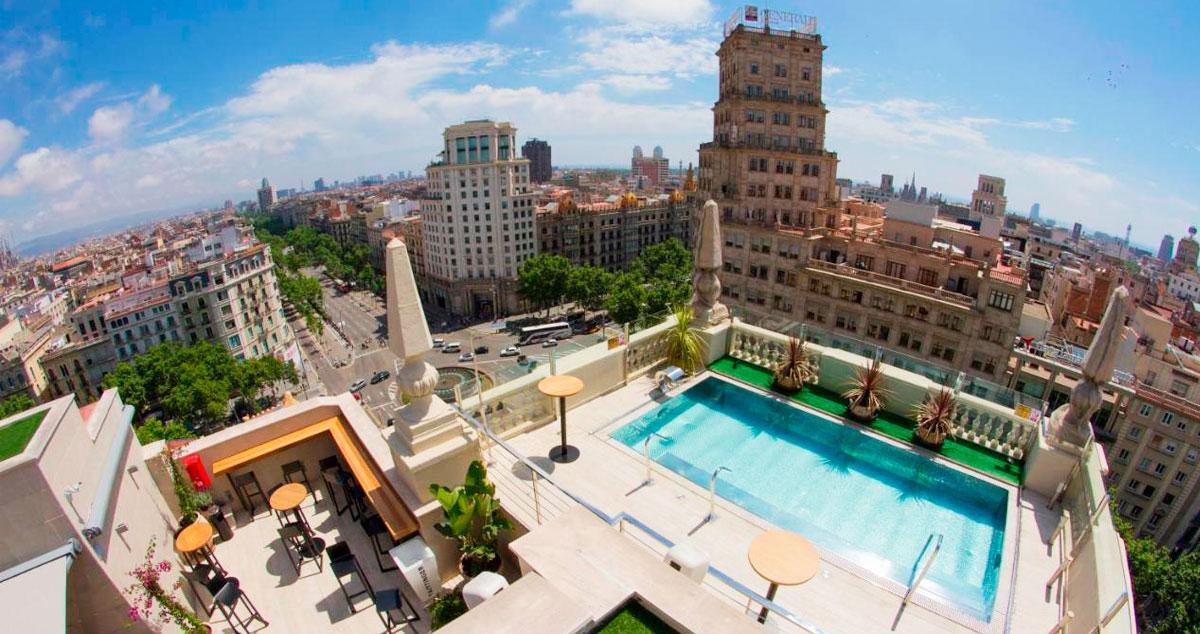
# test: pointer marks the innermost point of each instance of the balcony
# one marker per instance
(889, 282)
(767, 145)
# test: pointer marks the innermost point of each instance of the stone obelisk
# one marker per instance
(706, 301)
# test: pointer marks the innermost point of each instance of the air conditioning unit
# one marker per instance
(689, 560)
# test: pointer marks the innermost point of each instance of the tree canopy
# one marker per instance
(587, 286)
(195, 384)
(1166, 591)
(542, 279)
(14, 404)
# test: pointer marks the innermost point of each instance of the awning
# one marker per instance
(33, 594)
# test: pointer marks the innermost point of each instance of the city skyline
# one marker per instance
(88, 127)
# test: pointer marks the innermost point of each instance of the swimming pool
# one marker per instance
(868, 501)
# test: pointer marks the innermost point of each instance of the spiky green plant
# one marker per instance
(686, 346)
(866, 393)
(934, 416)
(797, 368)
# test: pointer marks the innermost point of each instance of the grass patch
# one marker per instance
(888, 424)
(634, 619)
(15, 435)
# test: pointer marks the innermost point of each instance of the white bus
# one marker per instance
(538, 334)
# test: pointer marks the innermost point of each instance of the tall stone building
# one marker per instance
(478, 221)
(540, 165)
(767, 164)
(266, 196)
(934, 291)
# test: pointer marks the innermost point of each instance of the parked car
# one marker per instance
(510, 351)
(381, 375)
(358, 385)
(550, 343)
(452, 347)
(466, 356)
(438, 342)
(481, 349)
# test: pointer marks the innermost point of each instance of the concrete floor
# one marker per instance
(312, 600)
(841, 599)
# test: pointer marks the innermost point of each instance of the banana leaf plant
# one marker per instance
(472, 518)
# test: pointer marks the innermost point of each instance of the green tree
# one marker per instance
(153, 429)
(626, 298)
(1166, 591)
(668, 262)
(14, 404)
(542, 279)
(587, 286)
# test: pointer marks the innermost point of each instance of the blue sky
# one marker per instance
(105, 110)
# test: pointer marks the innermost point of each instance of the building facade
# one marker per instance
(611, 235)
(478, 222)
(266, 197)
(540, 166)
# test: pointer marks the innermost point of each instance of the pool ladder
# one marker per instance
(712, 493)
(937, 547)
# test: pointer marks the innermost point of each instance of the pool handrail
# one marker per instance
(937, 547)
(621, 517)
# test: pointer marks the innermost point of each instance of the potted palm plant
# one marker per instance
(686, 347)
(796, 369)
(934, 416)
(472, 518)
(866, 393)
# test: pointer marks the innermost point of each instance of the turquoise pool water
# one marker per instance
(868, 501)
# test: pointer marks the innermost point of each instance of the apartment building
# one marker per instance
(478, 221)
(611, 234)
(234, 300)
(767, 164)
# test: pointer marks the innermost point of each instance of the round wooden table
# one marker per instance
(194, 539)
(561, 386)
(784, 559)
(287, 498)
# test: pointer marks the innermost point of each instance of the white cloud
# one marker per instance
(11, 137)
(20, 49)
(306, 120)
(629, 84)
(614, 51)
(641, 12)
(508, 14)
(947, 152)
(829, 70)
(67, 102)
(109, 123)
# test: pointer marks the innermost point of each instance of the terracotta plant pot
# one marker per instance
(861, 413)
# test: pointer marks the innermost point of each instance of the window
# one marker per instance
(1146, 409)
(1166, 418)
(1135, 432)
(927, 277)
(1003, 301)
(895, 269)
(1123, 456)
(1190, 456)
(1180, 477)
(1179, 388)
(1133, 485)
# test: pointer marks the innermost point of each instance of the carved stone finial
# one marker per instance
(1071, 423)
(408, 334)
(706, 301)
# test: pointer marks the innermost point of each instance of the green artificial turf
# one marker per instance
(888, 424)
(15, 435)
(634, 619)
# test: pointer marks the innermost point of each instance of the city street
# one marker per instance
(358, 317)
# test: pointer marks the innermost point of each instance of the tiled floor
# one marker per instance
(839, 600)
(312, 600)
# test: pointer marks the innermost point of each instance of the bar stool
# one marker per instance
(381, 539)
(388, 601)
(246, 486)
(306, 546)
(227, 600)
(326, 465)
(213, 580)
(340, 550)
(356, 499)
(345, 567)
(291, 469)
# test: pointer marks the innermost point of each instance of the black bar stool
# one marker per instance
(306, 547)
(228, 598)
(346, 566)
(356, 499)
(327, 465)
(388, 601)
(246, 486)
(213, 581)
(381, 539)
(296, 467)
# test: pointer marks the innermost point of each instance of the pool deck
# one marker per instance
(840, 599)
